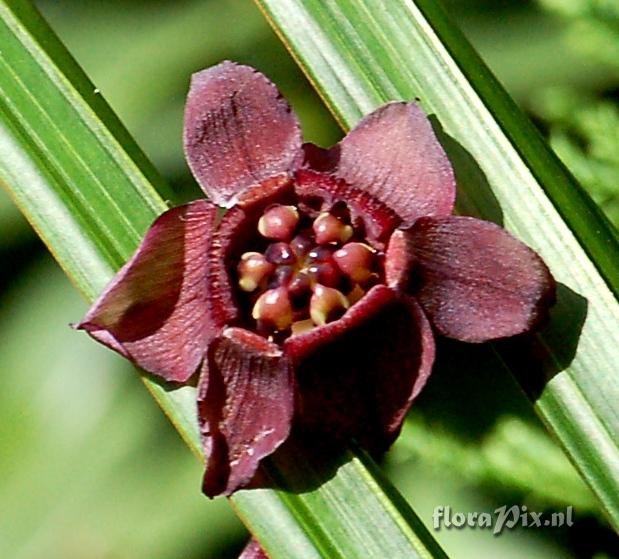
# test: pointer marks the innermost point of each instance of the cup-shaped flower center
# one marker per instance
(305, 270)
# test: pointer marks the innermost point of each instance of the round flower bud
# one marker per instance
(327, 304)
(356, 261)
(325, 273)
(329, 229)
(279, 222)
(273, 308)
(252, 270)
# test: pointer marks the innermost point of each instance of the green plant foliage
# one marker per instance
(582, 128)
(585, 135)
(593, 26)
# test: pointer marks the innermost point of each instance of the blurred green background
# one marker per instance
(90, 468)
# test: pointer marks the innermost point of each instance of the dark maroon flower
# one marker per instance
(314, 297)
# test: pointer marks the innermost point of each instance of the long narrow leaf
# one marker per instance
(361, 53)
(90, 193)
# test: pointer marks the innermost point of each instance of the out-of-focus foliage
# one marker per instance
(583, 129)
(89, 466)
(103, 475)
(585, 134)
(507, 460)
(593, 26)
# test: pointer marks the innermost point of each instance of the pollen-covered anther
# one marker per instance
(279, 222)
(327, 304)
(329, 229)
(252, 270)
(356, 260)
(273, 309)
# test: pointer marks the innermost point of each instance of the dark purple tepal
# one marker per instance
(314, 299)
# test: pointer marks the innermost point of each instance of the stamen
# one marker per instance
(280, 253)
(279, 222)
(327, 304)
(355, 294)
(301, 327)
(281, 276)
(326, 273)
(252, 270)
(301, 245)
(329, 229)
(273, 309)
(300, 289)
(320, 254)
(356, 261)
(309, 271)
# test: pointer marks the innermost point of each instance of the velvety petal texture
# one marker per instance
(362, 384)
(393, 154)
(238, 131)
(399, 260)
(475, 281)
(299, 347)
(154, 310)
(245, 407)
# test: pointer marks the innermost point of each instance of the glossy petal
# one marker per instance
(362, 384)
(153, 312)
(253, 551)
(238, 131)
(393, 154)
(245, 407)
(475, 281)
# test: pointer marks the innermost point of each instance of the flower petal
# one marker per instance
(253, 551)
(238, 131)
(399, 260)
(362, 384)
(300, 346)
(475, 281)
(393, 154)
(153, 311)
(319, 159)
(245, 407)
(378, 219)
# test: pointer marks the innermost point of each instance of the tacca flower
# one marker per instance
(314, 298)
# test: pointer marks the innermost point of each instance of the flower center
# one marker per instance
(308, 268)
